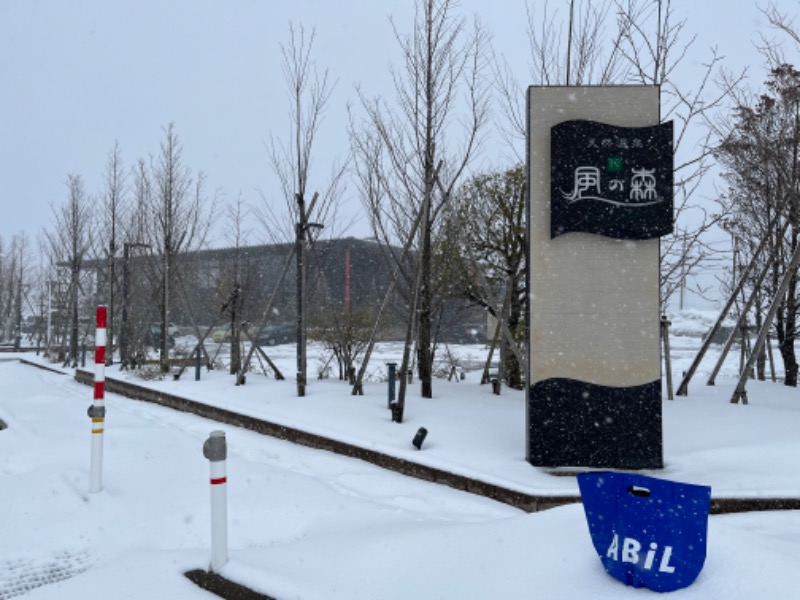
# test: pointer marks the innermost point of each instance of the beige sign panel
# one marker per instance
(594, 300)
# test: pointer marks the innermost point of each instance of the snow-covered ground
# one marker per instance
(309, 524)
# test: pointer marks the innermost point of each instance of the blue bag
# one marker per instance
(648, 532)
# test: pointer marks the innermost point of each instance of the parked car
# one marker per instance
(722, 335)
(223, 334)
(279, 333)
(465, 334)
(152, 336)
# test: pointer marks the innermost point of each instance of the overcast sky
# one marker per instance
(78, 75)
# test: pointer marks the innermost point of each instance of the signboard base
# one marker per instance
(576, 423)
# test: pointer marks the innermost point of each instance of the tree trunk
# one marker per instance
(425, 358)
(513, 368)
(761, 361)
(164, 345)
(789, 361)
(73, 300)
(787, 346)
(236, 348)
(112, 256)
(300, 249)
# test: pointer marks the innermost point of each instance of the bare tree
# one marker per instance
(38, 295)
(761, 157)
(654, 52)
(309, 92)
(784, 23)
(759, 151)
(141, 199)
(236, 285)
(69, 244)
(589, 52)
(179, 222)
(411, 155)
(5, 287)
(111, 216)
(633, 42)
(16, 274)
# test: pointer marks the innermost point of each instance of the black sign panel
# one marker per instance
(612, 181)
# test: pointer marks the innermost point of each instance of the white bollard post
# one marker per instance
(97, 411)
(216, 451)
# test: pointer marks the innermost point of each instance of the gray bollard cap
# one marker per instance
(215, 449)
(96, 412)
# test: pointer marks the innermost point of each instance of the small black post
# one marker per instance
(83, 355)
(419, 438)
(496, 386)
(392, 374)
(197, 364)
(665, 323)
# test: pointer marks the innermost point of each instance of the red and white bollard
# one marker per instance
(216, 451)
(97, 411)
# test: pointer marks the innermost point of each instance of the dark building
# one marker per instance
(344, 276)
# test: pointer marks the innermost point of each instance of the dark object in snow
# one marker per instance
(419, 438)
(152, 336)
(397, 412)
(392, 377)
(2, 424)
(222, 587)
(722, 334)
(278, 333)
(647, 532)
(472, 333)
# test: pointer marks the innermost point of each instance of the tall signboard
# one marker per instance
(600, 196)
